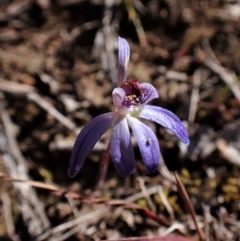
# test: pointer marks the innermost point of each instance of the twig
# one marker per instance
(71, 202)
(15, 88)
(76, 214)
(183, 193)
(167, 238)
(17, 8)
(229, 78)
(207, 219)
(175, 75)
(32, 95)
(164, 171)
(175, 226)
(140, 6)
(71, 232)
(228, 151)
(208, 49)
(69, 38)
(37, 99)
(8, 215)
(146, 194)
(195, 96)
(96, 214)
(166, 203)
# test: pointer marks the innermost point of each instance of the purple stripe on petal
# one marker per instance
(118, 96)
(121, 149)
(123, 57)
(87, 139)
(167, 119)
(149, 93)
(147, 142)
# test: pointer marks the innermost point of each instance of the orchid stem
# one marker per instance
(103, 168)
(183, 193)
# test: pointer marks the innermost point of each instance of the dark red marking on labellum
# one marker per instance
(132, 87)
(133, 93)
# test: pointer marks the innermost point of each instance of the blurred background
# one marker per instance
(58, 67)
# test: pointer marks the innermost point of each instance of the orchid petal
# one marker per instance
(121, 149)
(123, 57)
(149, 93)
(118, 96)
(147, 142)
(87, 139)
(167, 119)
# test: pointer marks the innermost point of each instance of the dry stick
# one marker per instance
(76, 214)
(7, 212)
(146, 194)
(195, 96)
(15, 88)
(207, 219)
(37, 99)
(71, 232)
(78, 30)
(175, 226)
(229, 78)
(94, 215)
(164, 170)
(213, 64)
(72, 204)
(166, 203)
(166, 238)
(32, 95)
(183, 193)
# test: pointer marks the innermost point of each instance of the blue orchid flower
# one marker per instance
(130, 99)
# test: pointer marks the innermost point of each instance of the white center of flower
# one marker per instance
(135, 111)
